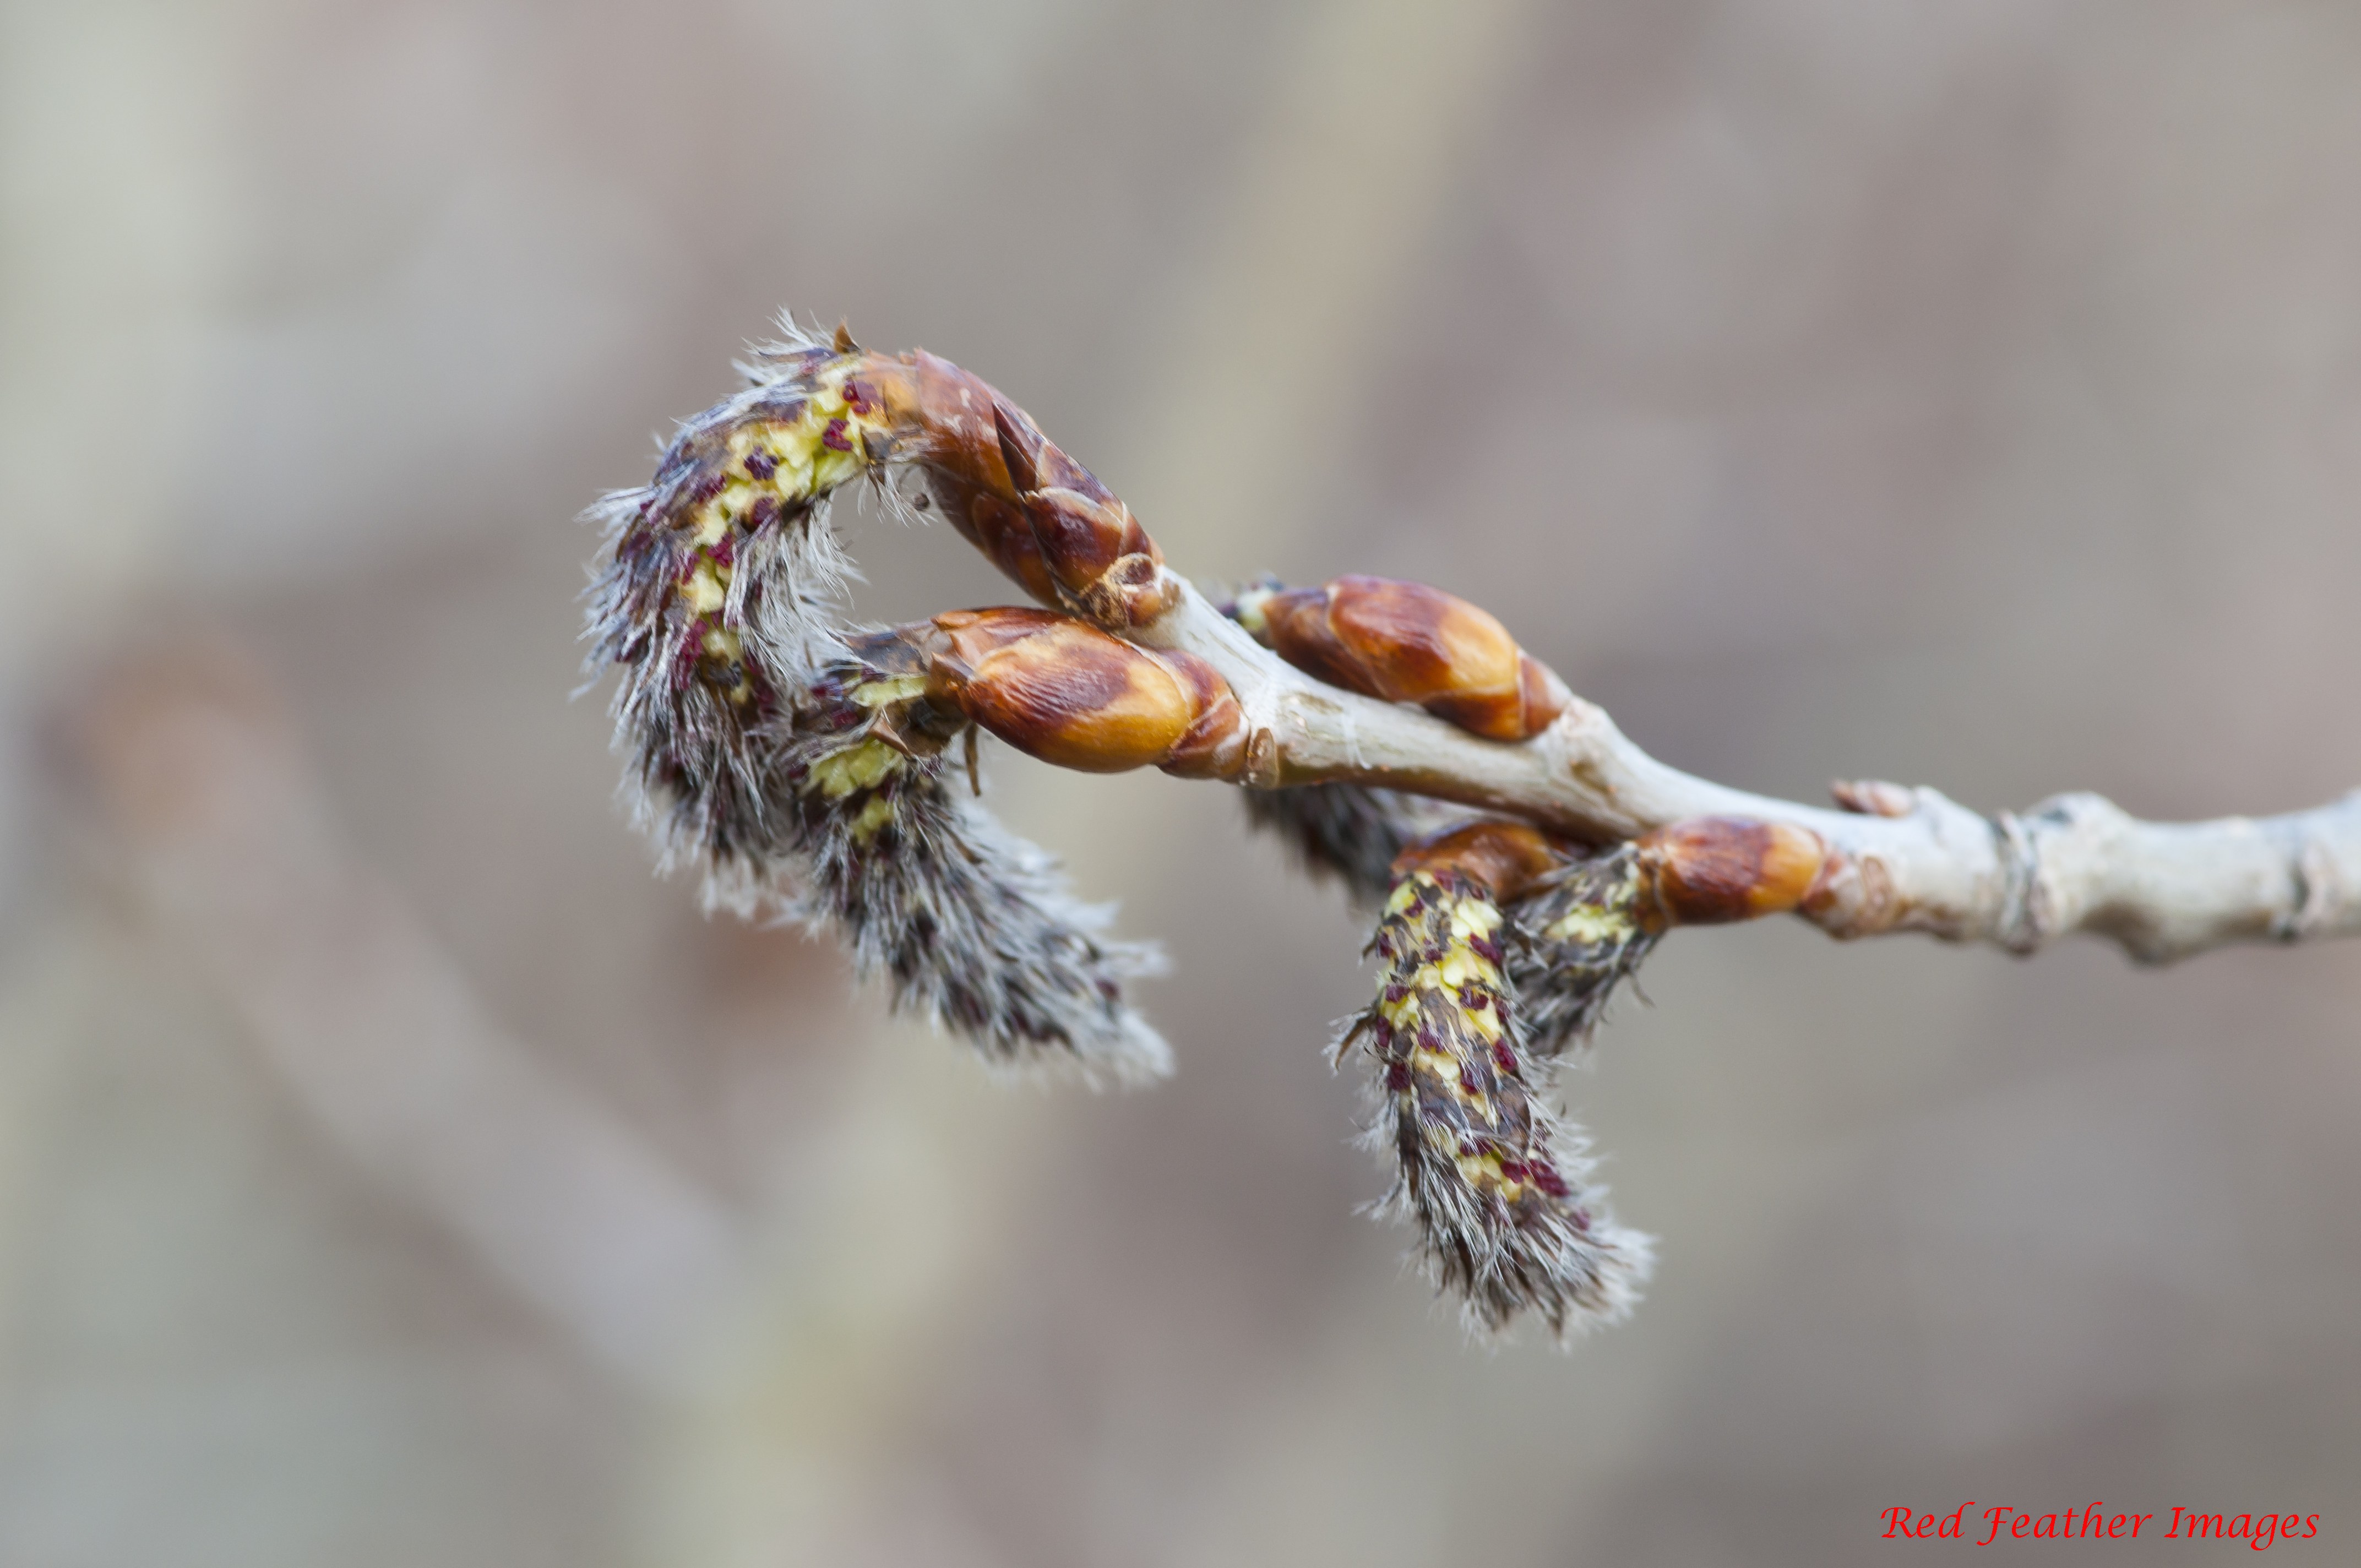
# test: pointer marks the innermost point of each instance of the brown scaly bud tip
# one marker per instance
(1507, 858)
(1712, 870)
(1497, 1189)
(1039, 515)
(1062, 690)
(1408, 642)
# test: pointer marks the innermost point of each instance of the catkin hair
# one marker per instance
(1349, 832)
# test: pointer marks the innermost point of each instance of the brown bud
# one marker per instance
(1036, 513)
(1710, 871)
(1506, 857)
(1087, 537)
(1408, 642)
(1215, 744)
(1062, 690)
(1002, 531)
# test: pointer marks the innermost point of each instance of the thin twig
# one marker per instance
(1903, 859)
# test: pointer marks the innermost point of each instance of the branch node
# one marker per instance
(2320, 892)
(2023, 920)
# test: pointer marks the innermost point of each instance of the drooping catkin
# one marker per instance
(1572, 940)
(1499, 1190)
(971, 925)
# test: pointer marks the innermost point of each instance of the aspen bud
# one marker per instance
(1587, 929)
(1408, 642)
(1036, 513)
(1062, 690)
(1710, 871)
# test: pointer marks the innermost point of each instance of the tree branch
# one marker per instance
(1902, 859)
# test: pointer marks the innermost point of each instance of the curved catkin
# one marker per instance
(1495, 1187)
(718, 596)
(763, 752)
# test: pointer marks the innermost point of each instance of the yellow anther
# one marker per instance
(1461, 965)
(707, 590)
(889, 691)
(1473, 917)
(1434, 1062)
(854, 768)
(874, 815)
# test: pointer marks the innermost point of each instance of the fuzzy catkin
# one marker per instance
(1572, 942)
(1499, 1190)
(971, 925)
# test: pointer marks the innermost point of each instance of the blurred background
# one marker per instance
(394, 1171)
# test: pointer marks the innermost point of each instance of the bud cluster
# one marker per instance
(810, 769)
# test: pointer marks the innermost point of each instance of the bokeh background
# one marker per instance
(393, 1171)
